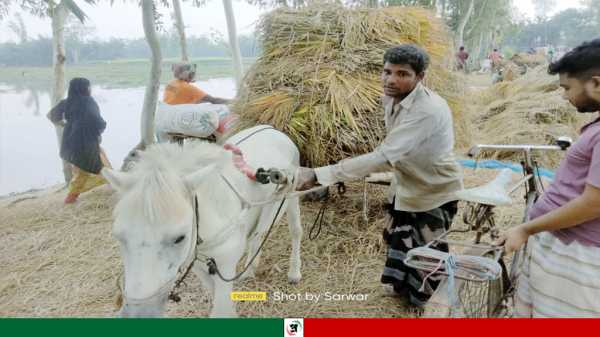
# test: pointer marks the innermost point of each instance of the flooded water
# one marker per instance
(28, 145)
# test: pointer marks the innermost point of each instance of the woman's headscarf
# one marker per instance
(79, 91)
(81, 137)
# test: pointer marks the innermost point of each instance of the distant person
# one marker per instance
(550, 54)
(461, 58)
(181, 91)
(486, 66)
(498, 76)
(496, 58)
(83, 125)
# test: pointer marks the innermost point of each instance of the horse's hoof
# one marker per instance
(294, 279)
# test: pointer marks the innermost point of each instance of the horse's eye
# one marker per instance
(179, 239)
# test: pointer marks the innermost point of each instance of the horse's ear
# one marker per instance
(118, 180)
(192, 181)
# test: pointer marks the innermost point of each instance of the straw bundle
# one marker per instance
(512, 71)
(529, 60)
(528, 110)
(319, 77)
(519, 63)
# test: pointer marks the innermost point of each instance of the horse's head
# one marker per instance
(154, 224)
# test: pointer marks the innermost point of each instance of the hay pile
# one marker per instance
(512, 71)
(318, 79)
(519, 64)
(528, 110)
(529, 60)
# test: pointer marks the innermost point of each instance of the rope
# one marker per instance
(212, 264)
(467, 267)
(253, 133)
(450, 264)
(318, 223)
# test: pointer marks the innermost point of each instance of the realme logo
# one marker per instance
(248, 296)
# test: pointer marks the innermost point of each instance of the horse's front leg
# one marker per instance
(295, 228)
(223, 306)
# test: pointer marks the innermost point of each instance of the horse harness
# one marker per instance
(262, 176)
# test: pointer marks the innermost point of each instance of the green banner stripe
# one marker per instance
(141, 327)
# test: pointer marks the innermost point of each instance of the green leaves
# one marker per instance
(75, 10)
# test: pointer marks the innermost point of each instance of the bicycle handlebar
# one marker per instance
(475, 150)
(272, 175)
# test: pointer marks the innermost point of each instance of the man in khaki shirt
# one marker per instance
(418, 149)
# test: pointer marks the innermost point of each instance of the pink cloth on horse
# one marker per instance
(239, 162)
(226, 123)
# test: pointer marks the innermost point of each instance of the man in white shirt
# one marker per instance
(418, 149)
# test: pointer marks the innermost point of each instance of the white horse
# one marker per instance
(155, 216)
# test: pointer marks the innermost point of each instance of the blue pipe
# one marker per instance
(496, 164)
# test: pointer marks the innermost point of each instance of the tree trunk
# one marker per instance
(234, 44)
(478, 56)
(490, 42)
(463, 23)
(181, 30)
(58, 15)
(151, 95)
(443, 9)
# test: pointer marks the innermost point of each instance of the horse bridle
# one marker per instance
(210, 262)
(193, 256)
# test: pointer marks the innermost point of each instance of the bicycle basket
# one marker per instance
(472, 286)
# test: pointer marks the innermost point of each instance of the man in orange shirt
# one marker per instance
(496, 59)
(181, 91)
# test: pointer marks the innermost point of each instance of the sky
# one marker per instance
(124, 19)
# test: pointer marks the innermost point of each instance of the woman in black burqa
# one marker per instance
(81, 137)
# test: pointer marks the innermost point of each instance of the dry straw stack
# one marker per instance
(318, 79)
(529, 60)
(529, 110)
(519, 63)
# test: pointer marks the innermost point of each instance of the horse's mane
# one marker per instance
(159, 193)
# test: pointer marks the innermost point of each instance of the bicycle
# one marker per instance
(484, 285)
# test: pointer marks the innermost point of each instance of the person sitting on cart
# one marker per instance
(180, 90)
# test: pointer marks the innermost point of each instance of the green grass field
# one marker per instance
(116, 74)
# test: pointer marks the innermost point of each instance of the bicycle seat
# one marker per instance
(494, 193)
